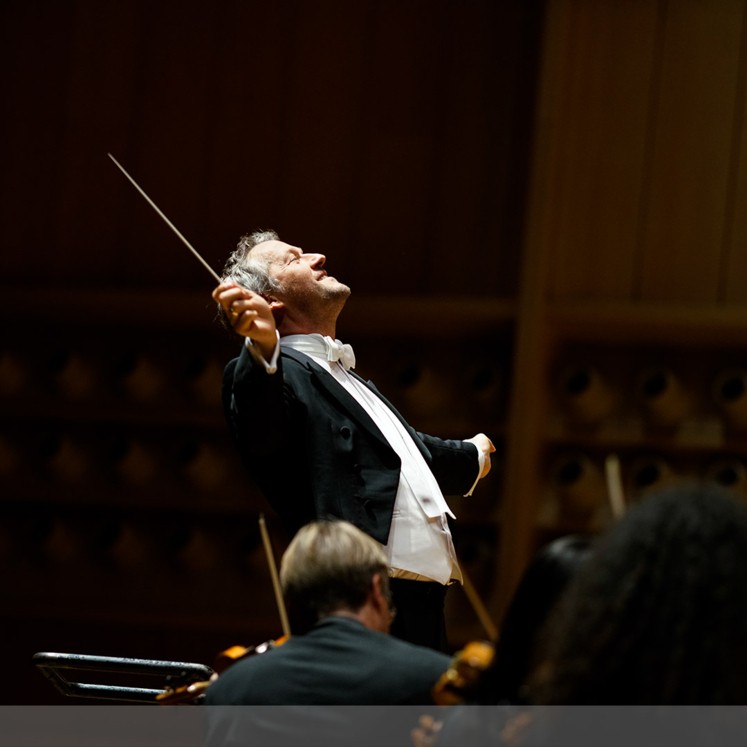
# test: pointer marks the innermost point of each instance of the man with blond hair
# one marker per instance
(334, 578)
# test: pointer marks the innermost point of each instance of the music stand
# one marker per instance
(55, 666)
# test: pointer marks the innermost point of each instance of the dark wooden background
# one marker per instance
(391, 136)
(540, 209)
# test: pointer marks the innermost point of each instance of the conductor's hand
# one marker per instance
(249, 314)
(485, 446)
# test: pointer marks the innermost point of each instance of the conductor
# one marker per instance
(322, 443)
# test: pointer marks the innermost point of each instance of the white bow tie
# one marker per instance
(340, 351)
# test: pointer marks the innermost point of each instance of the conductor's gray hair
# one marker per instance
(247, 271)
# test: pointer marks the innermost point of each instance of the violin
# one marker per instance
(191, 692)
(236, 653)
(461, 681)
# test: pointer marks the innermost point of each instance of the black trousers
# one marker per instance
(420, 612)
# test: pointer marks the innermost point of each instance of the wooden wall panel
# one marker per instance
(477, 198)
(635, 235)
(247, 166)
(99, 87)
(167, 135)
(392, 136)
(648, 119)
(599, 129)
(692, 151)
(640, 128)
(321, 152)
(401, 122)
(733, 285)
(35, 51)
(325, 119)
(528, 394)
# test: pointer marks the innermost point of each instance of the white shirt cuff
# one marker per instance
(270, 367)
(481, 464)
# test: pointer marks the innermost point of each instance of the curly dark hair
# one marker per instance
(658, 614)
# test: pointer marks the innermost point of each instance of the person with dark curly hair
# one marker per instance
(658, 615)
(654, 618)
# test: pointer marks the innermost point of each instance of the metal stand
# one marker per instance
(55, 666)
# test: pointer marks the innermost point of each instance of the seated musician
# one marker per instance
(334, 579)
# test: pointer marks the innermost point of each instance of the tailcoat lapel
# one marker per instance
(329, 387)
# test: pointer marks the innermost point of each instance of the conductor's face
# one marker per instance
(302, 279)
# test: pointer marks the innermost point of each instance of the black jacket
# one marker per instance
(338, 662)
(315, 453)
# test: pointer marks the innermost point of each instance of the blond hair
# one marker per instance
(329, 566)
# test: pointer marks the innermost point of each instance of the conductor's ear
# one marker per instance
(278, 309)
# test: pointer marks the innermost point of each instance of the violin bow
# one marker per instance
(166, 220)
(478, 606)
(615, 492)
(274, 575)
